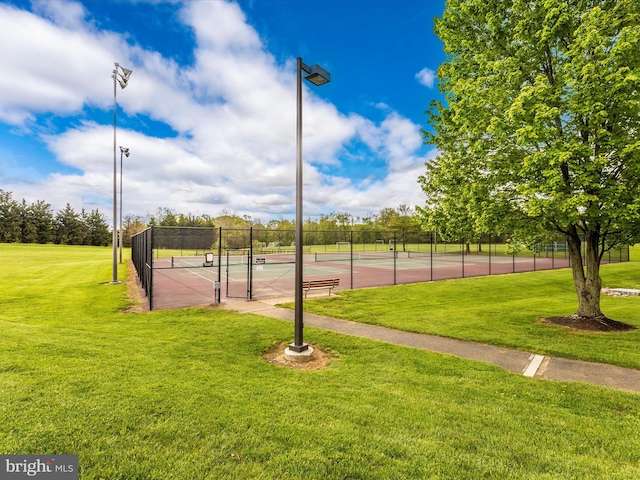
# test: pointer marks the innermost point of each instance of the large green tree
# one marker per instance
(539, 128)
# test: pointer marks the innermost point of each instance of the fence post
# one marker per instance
(395, 252)
(463, 250)
(351, 269)
(151, 269)
(431, 255)
(218, 292)
(489, 254)
(250, 262)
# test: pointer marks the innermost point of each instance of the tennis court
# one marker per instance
(183, 267)
(181, 281)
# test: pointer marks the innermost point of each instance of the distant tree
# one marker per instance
(401, 219)
(167, 217)
(85, 227)
(98, 232)
(68, 227)
(10, 229)
(236, 235)
(539, 130)
(132, 224)
(368, 221)
(28, 232)
(231, 220)
(328, 221)
(190, 220)
(208, 221)
(273, 224)
(278, 231)
(386, 217)
(43, 220)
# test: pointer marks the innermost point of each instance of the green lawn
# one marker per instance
(501, 310)
(186, 395)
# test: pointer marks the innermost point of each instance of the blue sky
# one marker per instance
(209, 112)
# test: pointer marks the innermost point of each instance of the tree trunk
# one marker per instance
(586, 281)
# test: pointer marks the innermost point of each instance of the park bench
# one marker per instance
(313, 284)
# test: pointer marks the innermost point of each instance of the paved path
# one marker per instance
(528, 364)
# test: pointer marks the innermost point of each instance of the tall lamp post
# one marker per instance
(120, 75)
(126, 153)
(318, 76)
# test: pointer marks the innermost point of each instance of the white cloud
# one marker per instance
(51, 69)
(235, 143)
(427, 77)
(63, 13)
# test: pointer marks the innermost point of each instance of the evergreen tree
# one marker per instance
(10, 227)
(98, 232)
(68, 227)
(42, 218)
(28, 232)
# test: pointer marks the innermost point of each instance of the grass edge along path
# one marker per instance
(501, 310)
(186, 394)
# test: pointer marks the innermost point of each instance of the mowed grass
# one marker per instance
(502, 310)
(186, 395)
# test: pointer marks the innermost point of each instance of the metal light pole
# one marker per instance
(126, 153)
(120, 75)
(318, 76)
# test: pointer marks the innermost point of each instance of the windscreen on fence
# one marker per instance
(158, 252)
(186, 266)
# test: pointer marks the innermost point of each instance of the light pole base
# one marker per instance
(306, 354)
(115, 283)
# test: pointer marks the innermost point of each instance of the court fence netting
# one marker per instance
(189, 266)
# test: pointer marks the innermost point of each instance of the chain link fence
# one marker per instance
(187, 266)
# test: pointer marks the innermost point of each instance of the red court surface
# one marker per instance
(183, 287)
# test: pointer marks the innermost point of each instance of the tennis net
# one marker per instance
(200, 261)
(426, 254)
(189, 261)
(348, 256)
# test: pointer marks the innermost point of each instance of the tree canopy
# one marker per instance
(539, 128)
(36, 223)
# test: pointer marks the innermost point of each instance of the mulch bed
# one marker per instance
(591, 324)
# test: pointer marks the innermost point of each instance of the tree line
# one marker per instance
(22, 222)
(402, 218)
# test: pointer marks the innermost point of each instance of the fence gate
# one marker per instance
(238, 272)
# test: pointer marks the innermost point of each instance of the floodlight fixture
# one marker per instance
(317, 75)
(124, 150)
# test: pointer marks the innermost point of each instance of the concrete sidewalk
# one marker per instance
(524, 363)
